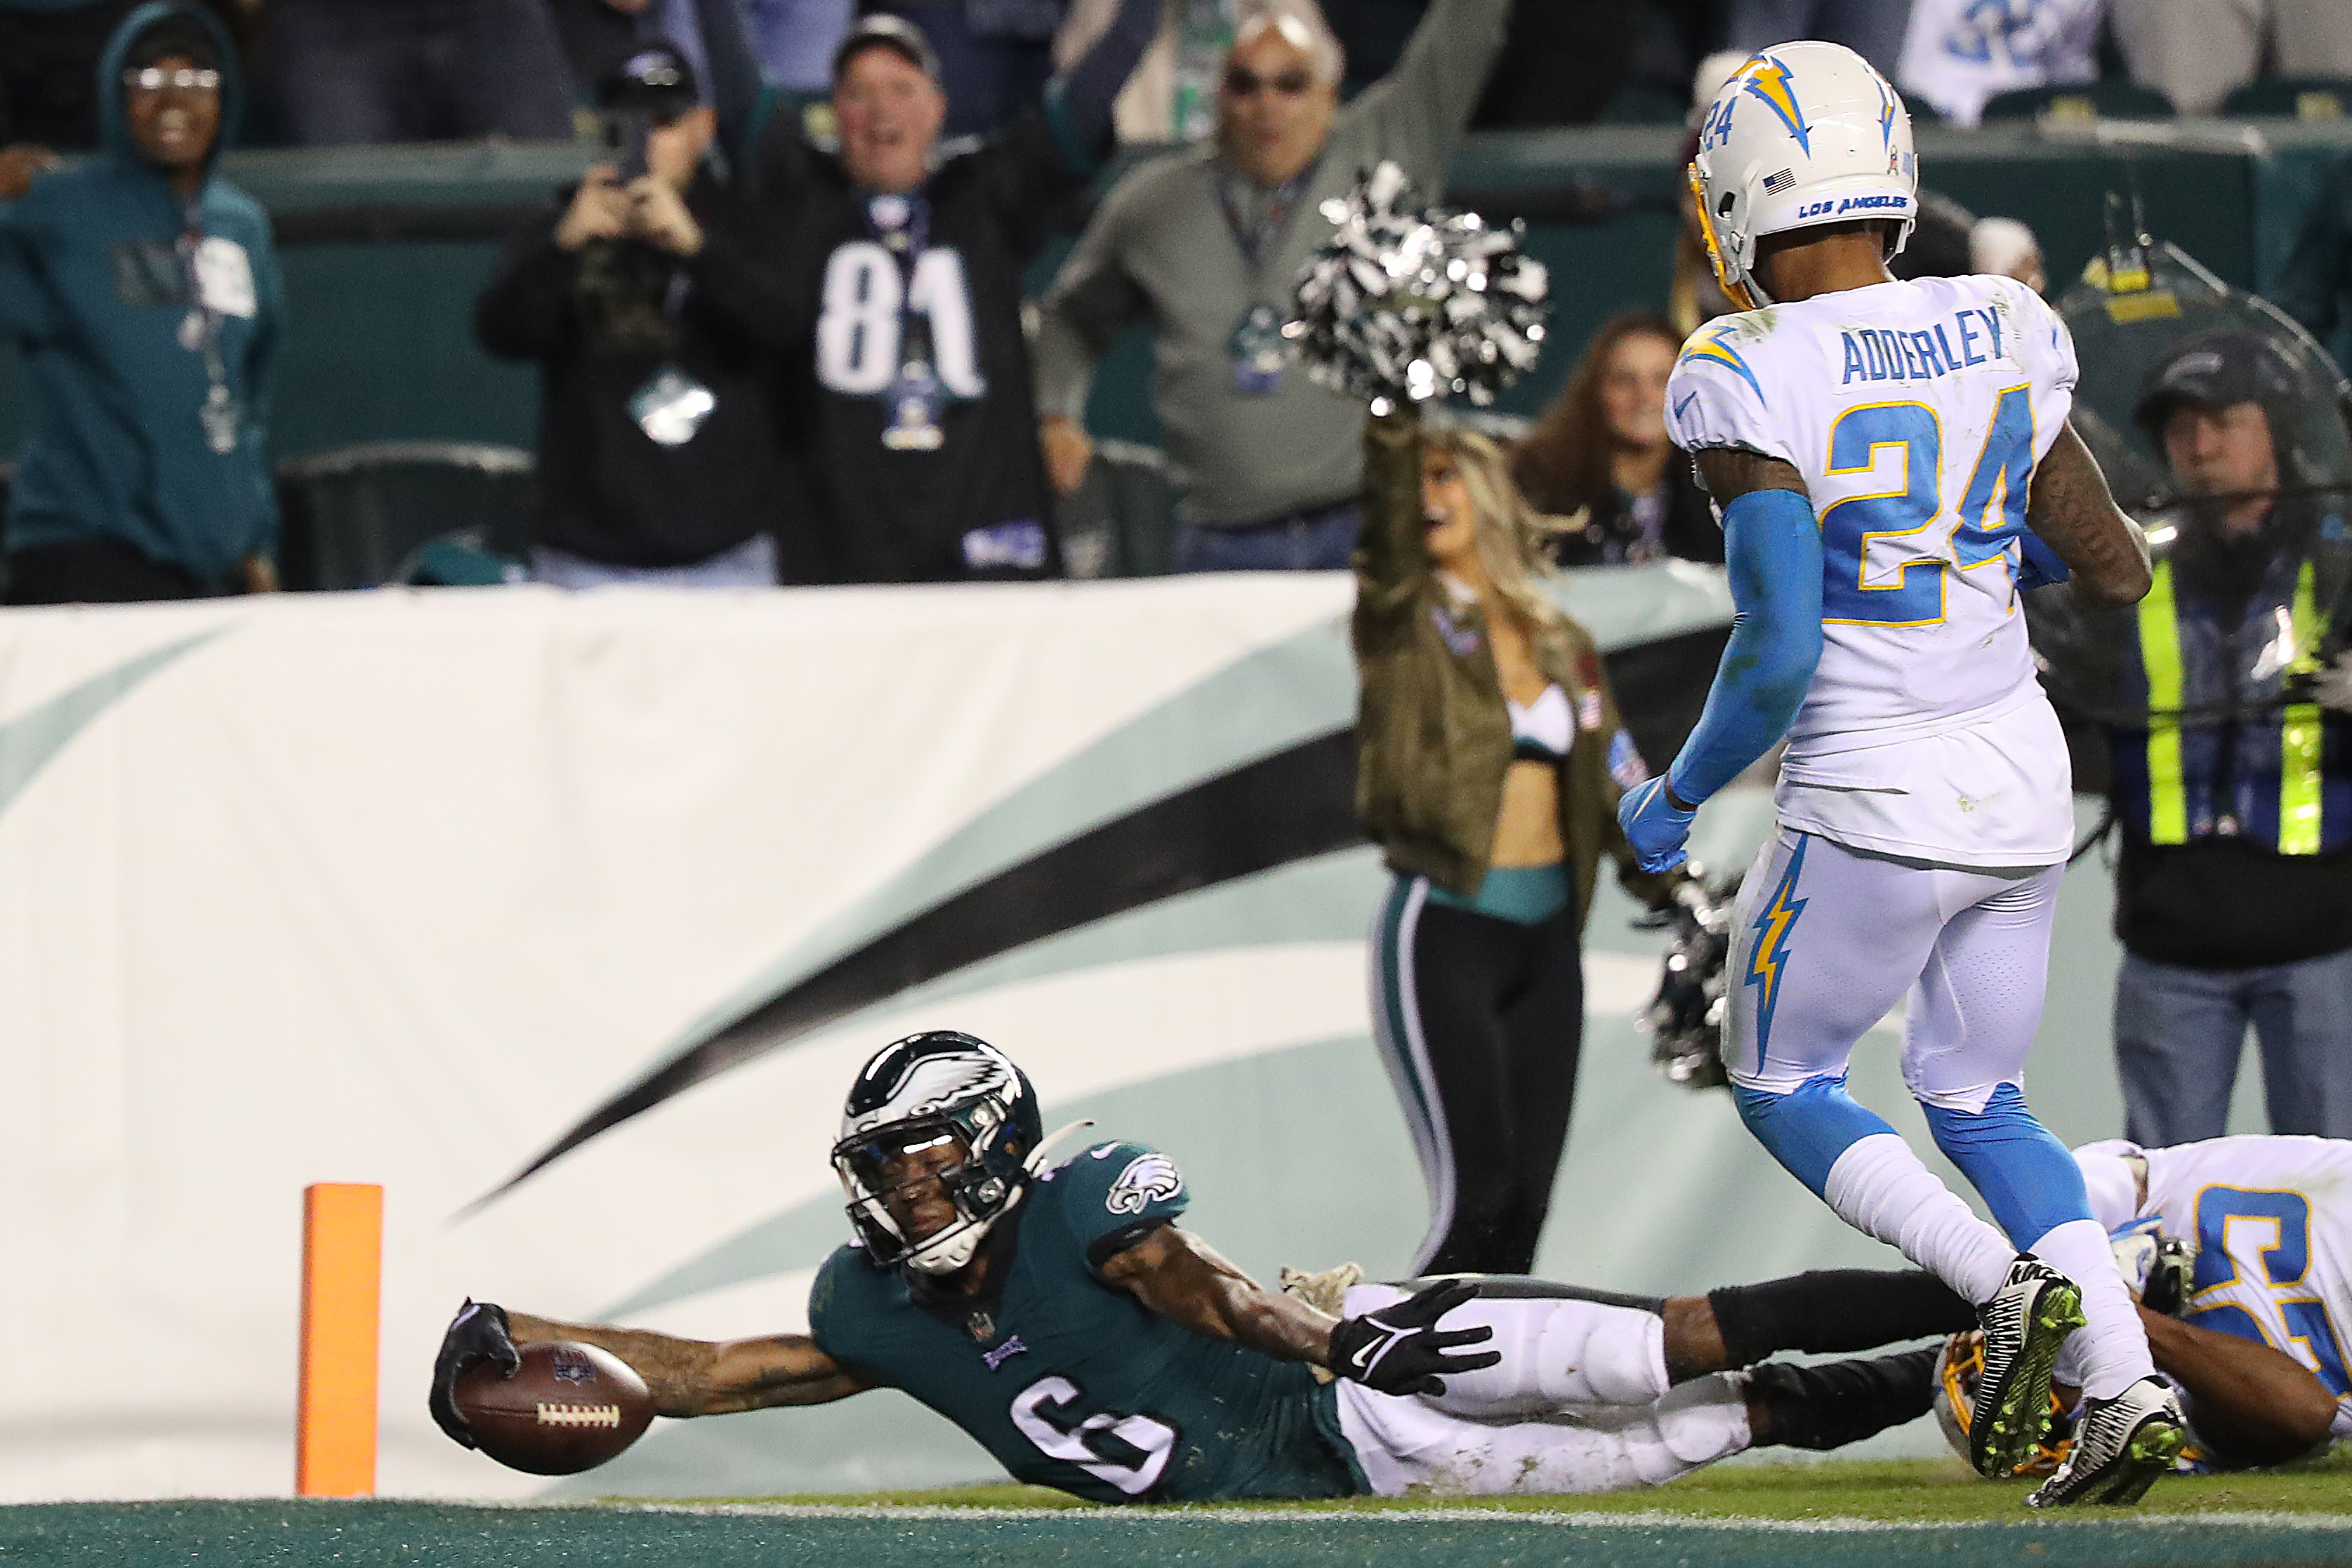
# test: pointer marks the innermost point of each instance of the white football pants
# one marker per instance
(1580, 1402)
(1825, 940)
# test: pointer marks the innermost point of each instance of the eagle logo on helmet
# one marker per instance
(921, 1093)
(1768, 78)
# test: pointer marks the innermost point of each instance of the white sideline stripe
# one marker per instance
(1646, 1518)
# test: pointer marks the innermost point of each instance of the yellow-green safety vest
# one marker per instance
(2299, 731)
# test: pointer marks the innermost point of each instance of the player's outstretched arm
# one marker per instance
(2071, 509)
(711, 1378)
(1397, 1350)
(686, 1376)
(2255, 1406)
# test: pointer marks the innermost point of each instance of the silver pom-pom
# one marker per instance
(1411, 303)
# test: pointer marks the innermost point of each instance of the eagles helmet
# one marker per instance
(1801, 135)
(913, 1093)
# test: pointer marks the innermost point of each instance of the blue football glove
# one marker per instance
(2042, 566)
(1654, 826)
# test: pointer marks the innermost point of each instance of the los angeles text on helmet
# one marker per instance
(1851, 205)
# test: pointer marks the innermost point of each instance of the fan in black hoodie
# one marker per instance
(654, 328)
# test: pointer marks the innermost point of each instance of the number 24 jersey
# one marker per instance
(1915, 413)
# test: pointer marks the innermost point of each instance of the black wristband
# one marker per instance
(1676, 801)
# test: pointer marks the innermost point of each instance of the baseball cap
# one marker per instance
(888, 32)
(2216, 369)
(656, 80)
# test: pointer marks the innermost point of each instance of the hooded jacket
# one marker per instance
(95, 291)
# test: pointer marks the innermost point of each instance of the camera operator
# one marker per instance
(2233, 892)
(655, 323)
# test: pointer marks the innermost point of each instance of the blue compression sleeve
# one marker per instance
(2040, 566)
(2028, 1178)
(1809, 1127)
(1772, 547)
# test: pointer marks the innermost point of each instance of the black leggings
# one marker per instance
(1479, 1020)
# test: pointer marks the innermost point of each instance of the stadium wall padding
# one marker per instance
(402, 887)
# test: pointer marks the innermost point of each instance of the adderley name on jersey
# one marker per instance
(1979, 336)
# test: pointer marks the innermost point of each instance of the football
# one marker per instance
(568, 1408)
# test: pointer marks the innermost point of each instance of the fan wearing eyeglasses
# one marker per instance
(1203, 245)
(141, 291)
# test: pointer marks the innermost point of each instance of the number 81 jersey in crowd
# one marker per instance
(1915, 413)
(1069, 1380)
(2270, 1220)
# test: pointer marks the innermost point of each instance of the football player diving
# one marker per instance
(1058, 1313)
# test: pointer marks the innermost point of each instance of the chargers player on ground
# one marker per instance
(1891, 463)
(1058, 1314)
(2238, 1249)
(2266, 1225)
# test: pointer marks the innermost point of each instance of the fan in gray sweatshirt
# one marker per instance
(1249, 442)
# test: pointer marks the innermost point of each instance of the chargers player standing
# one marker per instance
(1892, 462)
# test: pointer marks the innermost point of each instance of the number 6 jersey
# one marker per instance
(1069, 1380)
(1915, 413)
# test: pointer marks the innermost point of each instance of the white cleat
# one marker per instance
(2027, 1320)
(2121, 1446)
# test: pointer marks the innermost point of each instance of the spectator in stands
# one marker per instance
(793, 40)
(1599, 458)
(2004, 247)
(1871, 28)
(913, 426)
(598, 35)
(419, 70)
(995, 56)
(141, 291)
(2234, 894)
(653, 316)
(2316, 288)
(1203, 245)
(1493, 837)
(1957, 54)
(2197, 52)
(49, 59)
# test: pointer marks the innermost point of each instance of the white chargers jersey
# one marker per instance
(1915, 413)
(2271, 1219)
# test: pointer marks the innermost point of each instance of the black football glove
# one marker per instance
(478, 1333)
(1400, 1350)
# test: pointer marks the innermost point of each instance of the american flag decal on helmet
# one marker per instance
(1776, 184)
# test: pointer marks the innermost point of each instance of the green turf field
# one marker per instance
(1831, 1514)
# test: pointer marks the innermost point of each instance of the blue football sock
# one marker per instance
(2028, 1178)
(1809, 1127)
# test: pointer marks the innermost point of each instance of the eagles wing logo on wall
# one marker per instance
(1147, 1179)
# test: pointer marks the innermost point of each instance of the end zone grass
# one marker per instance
(1840, 1515)
(1892, 1491)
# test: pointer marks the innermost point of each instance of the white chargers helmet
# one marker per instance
(1803, 134)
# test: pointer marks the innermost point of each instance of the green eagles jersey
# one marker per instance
(1070, 1381)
